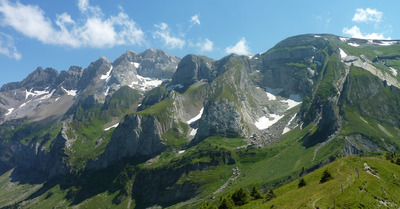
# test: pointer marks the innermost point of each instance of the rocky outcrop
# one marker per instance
(35, 157)
(194, 68)
(37, 80)
(136, 136)
(151, 63)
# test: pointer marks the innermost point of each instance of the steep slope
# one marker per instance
(216, 125)
(366, 182)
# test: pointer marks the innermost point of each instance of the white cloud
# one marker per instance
(95, 31)
(355, 32)
(169, 41)
(206, 45)
(195, 19)
(240, 48)
(7, 47)
(367, 15)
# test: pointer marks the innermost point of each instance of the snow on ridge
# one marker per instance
(197, 117)
(342, 53)
(113, 126)
(344, 39)
(107, 75)
(394, 71)
(264, 122)
(317, 36)
(9, 111)
(353, 44)
(387, 43)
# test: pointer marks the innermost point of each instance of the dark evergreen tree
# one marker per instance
(255, 193)
(240, 197)
(302, 183)
(226, 203)
(398, 161)
(270, 195)
(326, 176)
(208, 205)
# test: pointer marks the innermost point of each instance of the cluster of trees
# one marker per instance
(240, 197)
(393, 157)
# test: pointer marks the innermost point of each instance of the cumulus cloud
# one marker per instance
(241, 48)
(206, 45)
(355, 32)
(7, 47)
(170, 41)
(367, 15)
(95, 31)
(195, 19)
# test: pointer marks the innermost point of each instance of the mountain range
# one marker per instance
(153, 130)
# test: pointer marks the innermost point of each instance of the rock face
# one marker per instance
(321, 87)
(151, 63)
(47, 99)
(136, 136)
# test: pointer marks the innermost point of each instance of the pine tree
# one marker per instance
(270, 195)
(226, 203)
(326, 176)
(208, 205)
(302, 183)
(240, 197)
(255, 193)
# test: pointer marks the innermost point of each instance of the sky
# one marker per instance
(60, 34)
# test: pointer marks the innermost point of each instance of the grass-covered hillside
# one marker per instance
(354, 182)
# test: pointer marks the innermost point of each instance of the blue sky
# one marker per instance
(59, 34)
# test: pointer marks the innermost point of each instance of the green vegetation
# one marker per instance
(240, 197)
(302, 183)
(326, 176)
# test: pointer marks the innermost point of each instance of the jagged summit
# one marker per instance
(175, 132)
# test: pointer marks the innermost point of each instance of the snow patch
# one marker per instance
(9, 111)
(317, 36)
(394, 71)
(265, 122)
(57, 99)
(293, 101)
(387, 43)
(197, 117)
(69, 92)
(48, 95)
(146, 83)
(107, 75)
(25, 103)
(353, 44)
(35, 93)
(271, 93)
(136, 64)
(107, 90)
(342, 53)
(344, 39)
(287, 129)
(193, 132)
(181, 151)
(113, 126)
